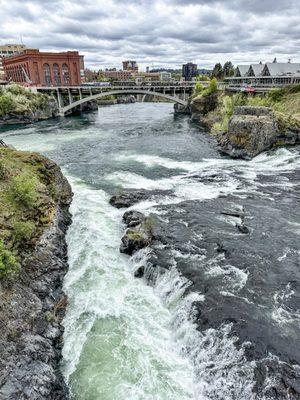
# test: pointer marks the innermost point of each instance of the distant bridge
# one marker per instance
(71, 97)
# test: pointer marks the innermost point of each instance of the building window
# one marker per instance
(47, 74)
(66, 74)
(56, 71)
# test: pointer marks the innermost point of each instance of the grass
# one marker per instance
(27, 204)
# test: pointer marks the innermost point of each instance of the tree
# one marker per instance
(217, 72)
(202, 77)
(228, 69)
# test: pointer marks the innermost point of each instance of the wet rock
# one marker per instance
(131, 197)
(135, 239)
(139, 273)
(242, 228)
(139, 234)
(180, 109)
(251, 130)
(133, 218)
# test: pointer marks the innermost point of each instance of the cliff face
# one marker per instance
(252, 130)
(21, 106)
(48, 110)
(245, 131)
(32, 303)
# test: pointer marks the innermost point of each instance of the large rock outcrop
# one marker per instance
(251, 130)
(32, 306)
(49, 109)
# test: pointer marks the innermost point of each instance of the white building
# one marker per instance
(269, 74)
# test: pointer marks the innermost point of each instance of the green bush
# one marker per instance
(198, 89)
(6, 104)
(23, 231)
(16, 89)
(8, 264)
(3, 171)
(211, 89)
(258, 101)
(213, 86)
(23, 189)
(276, 95)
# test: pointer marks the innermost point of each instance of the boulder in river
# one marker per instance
(139, 233)
(251, 130)
(133, 196)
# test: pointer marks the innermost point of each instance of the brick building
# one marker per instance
(130, 65)
(117, 75)
(44, 68)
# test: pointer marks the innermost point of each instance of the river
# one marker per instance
(125, 339)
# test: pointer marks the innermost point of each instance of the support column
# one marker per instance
(70, 96)
(60, 103)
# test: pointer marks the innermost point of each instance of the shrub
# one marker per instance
(8, 264)
(6, 104)
(258, 101)
(276, 95)
(213, 86)
(198, 89)
(23, 189)
(16, 89)
(294, 88)
(23, 231)
(3, 171)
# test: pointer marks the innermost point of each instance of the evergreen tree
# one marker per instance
(218, 71)
(228, 69)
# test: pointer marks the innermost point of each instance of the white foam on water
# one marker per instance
(190, 187)
(118, 337)
(222, 370)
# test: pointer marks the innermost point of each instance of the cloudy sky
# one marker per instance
(157, 32)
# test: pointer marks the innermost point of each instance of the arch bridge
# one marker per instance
(71, 97)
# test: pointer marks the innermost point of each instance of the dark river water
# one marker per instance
(222, 321)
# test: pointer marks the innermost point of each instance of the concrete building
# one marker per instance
(189, 71)
(165, 76)
(6, 51)
(130, 65)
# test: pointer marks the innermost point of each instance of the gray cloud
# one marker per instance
(160, 32)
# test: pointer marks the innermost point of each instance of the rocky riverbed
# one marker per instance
(241, 253)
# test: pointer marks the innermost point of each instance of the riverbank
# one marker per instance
(21, 106)
(245, 124)
(34, 218)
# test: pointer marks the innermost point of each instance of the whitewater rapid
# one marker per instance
(125, 339)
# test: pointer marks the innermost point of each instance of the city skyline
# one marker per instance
(163, 33)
